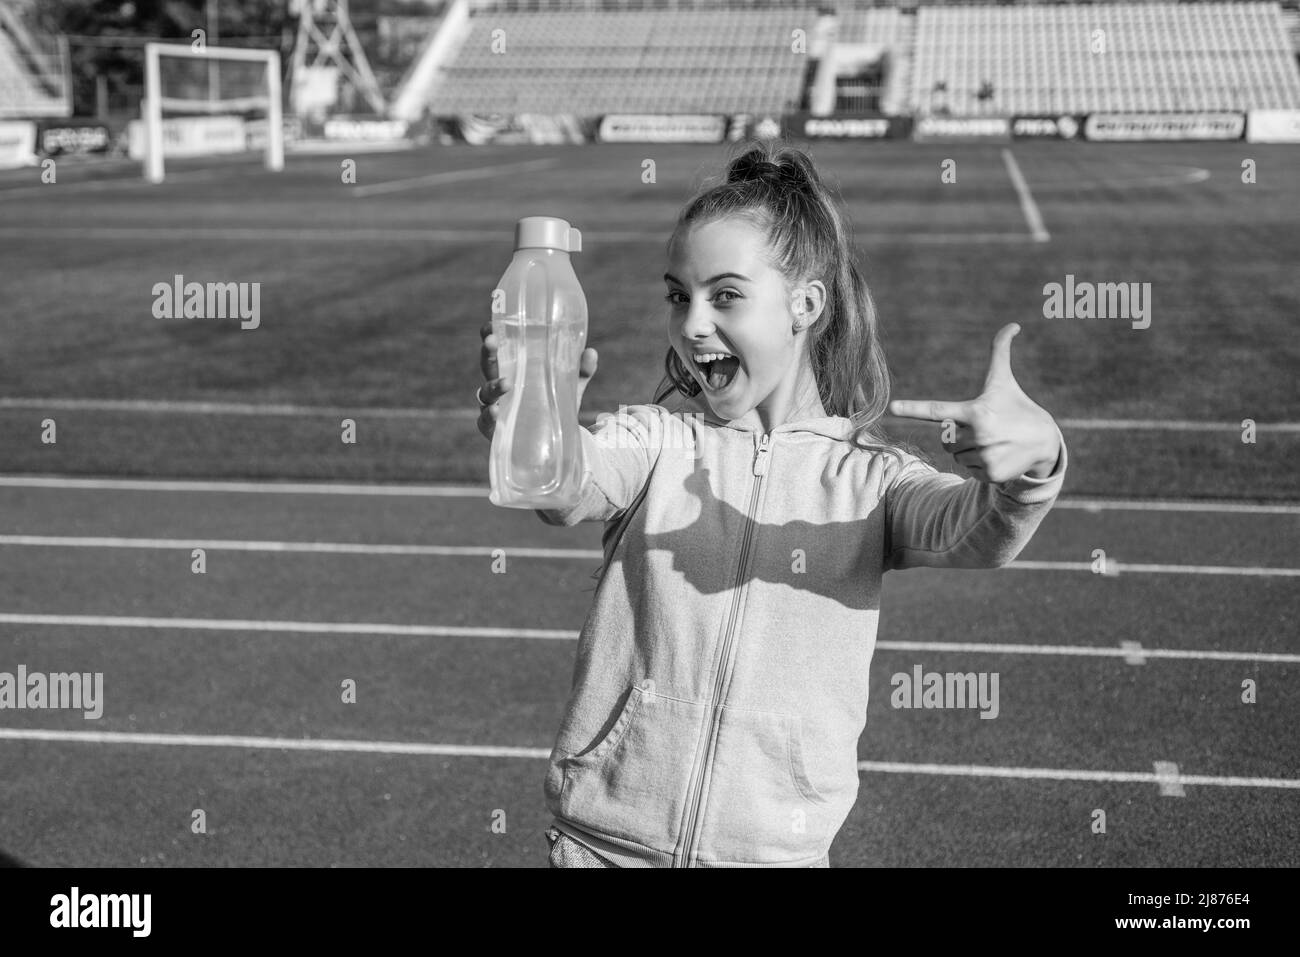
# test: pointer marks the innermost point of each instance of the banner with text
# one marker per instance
(1061, 127)
(73, 136)
(940, 128)
(657, 128)
(364, 129)
(846, 126)
(1163, 127)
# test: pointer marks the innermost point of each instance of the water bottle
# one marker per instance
(539, 318)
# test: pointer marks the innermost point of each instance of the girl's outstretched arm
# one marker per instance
(619, 456)
(1016, 456)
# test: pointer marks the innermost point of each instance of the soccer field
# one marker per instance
(1120, 692)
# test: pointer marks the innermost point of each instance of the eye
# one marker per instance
(725, 292)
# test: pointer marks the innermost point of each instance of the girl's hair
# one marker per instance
(777, 188)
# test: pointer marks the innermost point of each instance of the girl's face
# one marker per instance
(724, 297)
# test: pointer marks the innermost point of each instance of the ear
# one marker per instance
(807, 302)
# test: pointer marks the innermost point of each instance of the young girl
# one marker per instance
(720, 685)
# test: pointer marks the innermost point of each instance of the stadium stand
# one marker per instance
(1157, 57)
(709, 61)
(961, 60)
(32, 75)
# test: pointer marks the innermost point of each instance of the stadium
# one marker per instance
(267, 528)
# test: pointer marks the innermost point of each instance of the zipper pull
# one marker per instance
(761, 457)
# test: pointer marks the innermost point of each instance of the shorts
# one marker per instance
(566, 852)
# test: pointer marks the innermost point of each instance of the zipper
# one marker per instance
(722, 678)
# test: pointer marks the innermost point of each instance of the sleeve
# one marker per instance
(938, 520)
(619, 455)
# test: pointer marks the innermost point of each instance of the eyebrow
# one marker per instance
(709, 282)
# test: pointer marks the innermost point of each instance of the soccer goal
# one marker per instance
(204, 100)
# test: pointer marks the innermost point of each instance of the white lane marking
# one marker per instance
(280, 626)
(1085, 651)
(1170, 781)
(494, 751)
(1172, 425)
(1133, 653)
(464, 631)
(1027, 205)
(279, 744)
(1142, 505)
(481, 491)
(487, 551)
(312, 548)
(1064, 774)
(198, 407)
(1113, 569)
(449, 176)
(255, 487)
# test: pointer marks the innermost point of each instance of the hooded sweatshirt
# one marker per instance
(721, 678)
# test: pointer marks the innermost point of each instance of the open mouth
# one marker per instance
(719, 373)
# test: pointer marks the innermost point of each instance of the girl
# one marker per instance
(720, 685)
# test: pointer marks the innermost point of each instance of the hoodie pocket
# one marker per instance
(762, 806)
(632, 784)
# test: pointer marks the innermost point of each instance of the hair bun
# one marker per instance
(753, 166)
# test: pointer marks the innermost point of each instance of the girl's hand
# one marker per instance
(496, 387)
(1000, 435)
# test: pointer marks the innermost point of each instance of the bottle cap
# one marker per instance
(547, 232)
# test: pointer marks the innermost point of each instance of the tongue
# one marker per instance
(722, 372)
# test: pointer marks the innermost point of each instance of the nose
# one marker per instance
(698, 323)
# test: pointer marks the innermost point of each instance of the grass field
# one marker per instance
(222, 689)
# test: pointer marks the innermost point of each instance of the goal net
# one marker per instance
(207, 100)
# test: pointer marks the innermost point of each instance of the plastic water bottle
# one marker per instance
(539, 318)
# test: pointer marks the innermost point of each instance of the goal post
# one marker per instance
(262, 93)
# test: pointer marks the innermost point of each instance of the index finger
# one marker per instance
(931, 410)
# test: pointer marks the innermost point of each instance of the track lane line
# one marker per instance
(255, 486)
(338, 745)
(489, 551)
(281, 626)
(290, 409)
